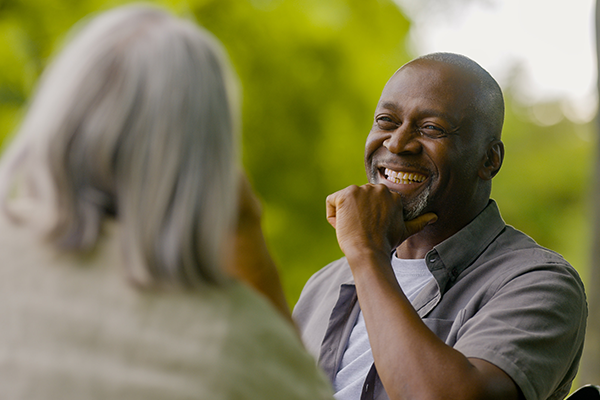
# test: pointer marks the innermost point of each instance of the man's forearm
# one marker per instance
(412, 362)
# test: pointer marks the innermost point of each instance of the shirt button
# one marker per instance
(366, 387)
(432, 259)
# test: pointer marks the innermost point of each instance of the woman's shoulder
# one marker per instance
(265, 352)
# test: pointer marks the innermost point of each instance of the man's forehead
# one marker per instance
(432, 80)
(429, 89)
(435, 73)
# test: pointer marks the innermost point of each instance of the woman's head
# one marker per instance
(134, 119)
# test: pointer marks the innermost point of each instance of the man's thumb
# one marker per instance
(415, 225)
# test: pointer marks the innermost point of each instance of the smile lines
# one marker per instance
(405, 178)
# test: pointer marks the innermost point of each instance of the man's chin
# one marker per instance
(414, 207)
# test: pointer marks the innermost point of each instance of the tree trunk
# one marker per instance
(589, 371)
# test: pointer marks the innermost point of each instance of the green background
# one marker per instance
(311, 72)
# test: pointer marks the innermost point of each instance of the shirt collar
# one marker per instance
(444, 261)
(450, 258)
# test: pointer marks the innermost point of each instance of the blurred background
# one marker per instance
(311, 73)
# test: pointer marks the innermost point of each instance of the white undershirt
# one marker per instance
(412, 276)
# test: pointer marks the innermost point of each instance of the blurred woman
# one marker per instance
(120, 214)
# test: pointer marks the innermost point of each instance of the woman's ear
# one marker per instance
(492, 160)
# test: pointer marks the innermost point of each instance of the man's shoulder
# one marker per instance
(325, 283)
(317, 300)
(515, 258)
(521, 246)
(511, 240)
(337, 271)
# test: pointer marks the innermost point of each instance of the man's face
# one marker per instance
(423, 143)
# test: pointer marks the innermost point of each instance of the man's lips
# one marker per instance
(402, 177)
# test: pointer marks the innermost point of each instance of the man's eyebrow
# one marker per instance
(429, 112)
(437, 113)
(388, 105)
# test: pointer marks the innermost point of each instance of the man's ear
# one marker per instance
(492, 161)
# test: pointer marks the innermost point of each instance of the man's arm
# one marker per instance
(412, 362)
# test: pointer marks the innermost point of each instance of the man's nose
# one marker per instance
(403, 140)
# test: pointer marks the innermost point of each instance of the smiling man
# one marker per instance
(436, 296)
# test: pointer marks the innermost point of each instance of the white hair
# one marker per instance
(136, 119)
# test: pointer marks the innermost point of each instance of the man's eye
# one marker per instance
(385, 123)
(432, 130)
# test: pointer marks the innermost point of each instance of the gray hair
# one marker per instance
(136, 119)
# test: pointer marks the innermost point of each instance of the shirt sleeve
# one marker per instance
(532, 326)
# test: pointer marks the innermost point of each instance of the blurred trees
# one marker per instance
(311, 73)
(544, 186)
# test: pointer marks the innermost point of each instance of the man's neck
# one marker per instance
(419, 244)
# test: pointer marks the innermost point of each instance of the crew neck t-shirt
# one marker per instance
(412, 276)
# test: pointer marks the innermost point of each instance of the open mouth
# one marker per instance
(404, 178)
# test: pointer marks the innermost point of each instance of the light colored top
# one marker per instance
(412, 276)
(74, 328)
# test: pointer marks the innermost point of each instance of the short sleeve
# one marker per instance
(532, 327)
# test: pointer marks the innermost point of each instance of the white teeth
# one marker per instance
(403, 177)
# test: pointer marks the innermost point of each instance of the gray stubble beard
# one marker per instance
(412, 208)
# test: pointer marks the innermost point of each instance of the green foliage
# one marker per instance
(544, 187)
(311, 73)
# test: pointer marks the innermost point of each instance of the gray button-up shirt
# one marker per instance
(497, 296)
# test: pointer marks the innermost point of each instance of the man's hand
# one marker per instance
(370, 218)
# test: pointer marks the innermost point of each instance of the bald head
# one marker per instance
(487, 102)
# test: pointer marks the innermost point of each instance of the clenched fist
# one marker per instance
(370, 218)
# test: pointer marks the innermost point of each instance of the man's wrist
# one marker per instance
(363, 258)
